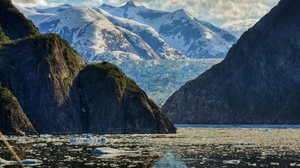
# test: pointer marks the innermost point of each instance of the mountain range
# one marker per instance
(257, 83)
(132, 32)
(47, 88)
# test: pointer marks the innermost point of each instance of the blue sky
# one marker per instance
(234, 15)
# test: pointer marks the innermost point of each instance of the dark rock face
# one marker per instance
(44, 74)
(113, 103)
(40, 71)
(13, 120)
(258, 82)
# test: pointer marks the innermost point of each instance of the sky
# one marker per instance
(235, 16)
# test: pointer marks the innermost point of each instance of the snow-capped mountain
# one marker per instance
(132, 32)
(192, 37)
(98, 36)
(38, 15)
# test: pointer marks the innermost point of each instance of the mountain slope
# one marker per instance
(258, 82)
(194, 38)
(13, 120)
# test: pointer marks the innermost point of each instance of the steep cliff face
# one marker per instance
(40, 71)
(13, 24)
(258, 82)
(113, 103)
(13, 120)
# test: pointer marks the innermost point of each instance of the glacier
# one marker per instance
(160, 79)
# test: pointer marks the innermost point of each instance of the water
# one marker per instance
(192, 146)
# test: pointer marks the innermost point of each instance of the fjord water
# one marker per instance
(192, 146)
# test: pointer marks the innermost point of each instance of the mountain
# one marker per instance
(48, 82)
(132, 32)
(99, 36)
(13, 119)
(257, 83)
(192, 37)
(114, 100)
(14, 25)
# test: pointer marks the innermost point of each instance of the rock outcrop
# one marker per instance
(258, 82)
(40, 70)
(44, 74)
(113, 103)
(13, 120)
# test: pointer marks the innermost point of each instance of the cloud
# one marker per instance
(39, 3)
(31, 3)
(238, 27)
(242, 9)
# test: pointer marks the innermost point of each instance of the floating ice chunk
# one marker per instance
(45, 135)
(134, 140)
(269, 153)
(169, 160)
(274, 164)
(293, 164)
(2, 161)
(232, 162)
(32, 162)
(102, 140)
(39, 145)
(82, 140)
(106, 152)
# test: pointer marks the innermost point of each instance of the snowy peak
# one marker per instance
(55, 10)
(100, 36)
(133, 32)
(181, 13)
(129, 4)
(181, 31)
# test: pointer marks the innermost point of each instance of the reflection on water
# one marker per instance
(190, 147)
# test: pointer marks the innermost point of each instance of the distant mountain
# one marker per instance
(99, 36)
(257, 83)
(192, 37)
(112, 33)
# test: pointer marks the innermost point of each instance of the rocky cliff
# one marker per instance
(13, 120)
(39, 70)
(113, 103)
(44, 73)
(258, 82)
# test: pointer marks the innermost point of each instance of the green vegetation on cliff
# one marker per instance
(13, 120)
(107, 70)
(13, 23)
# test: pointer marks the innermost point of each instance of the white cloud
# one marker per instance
(39, 3)
(31, 3)
(242, 9)
(238, 27)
